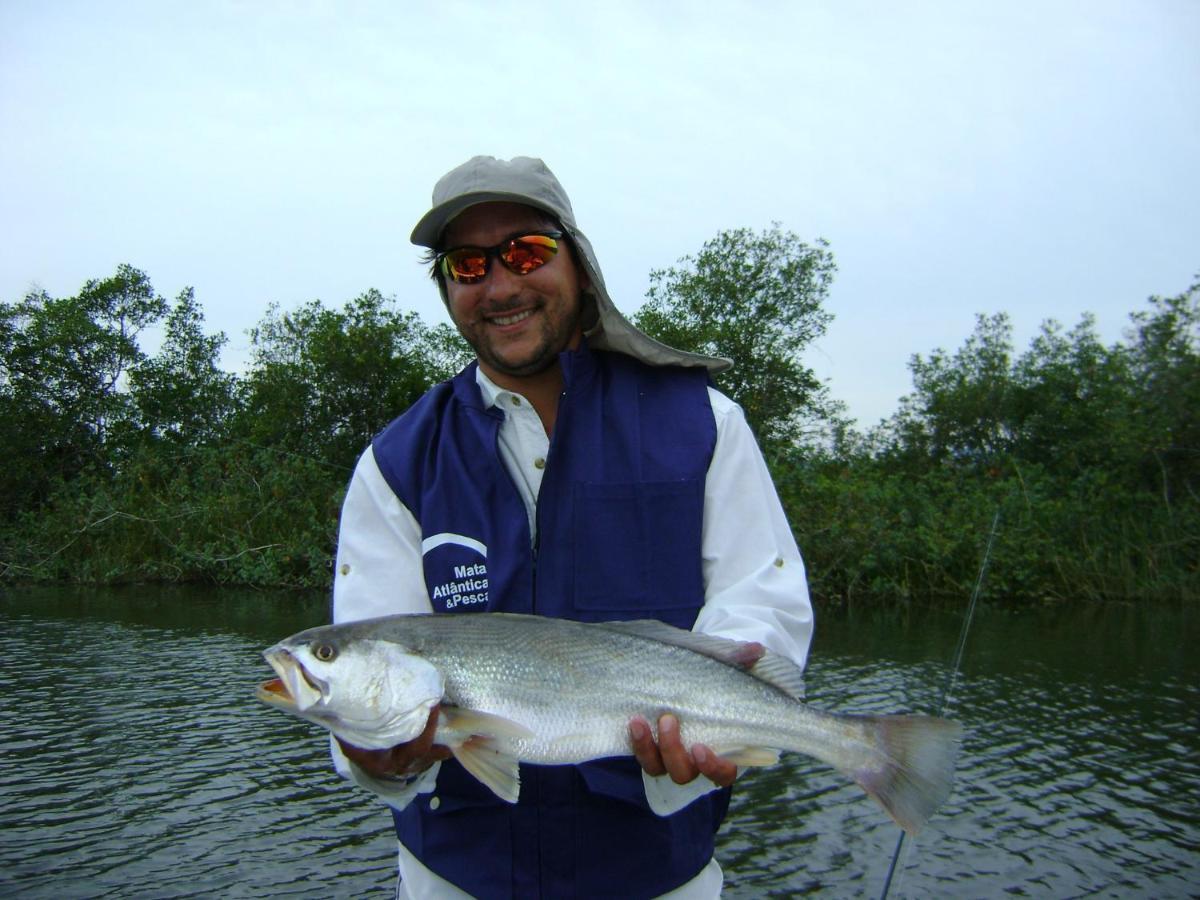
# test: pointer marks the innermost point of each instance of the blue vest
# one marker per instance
(619, 519)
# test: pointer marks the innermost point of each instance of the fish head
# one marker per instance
(372, 694)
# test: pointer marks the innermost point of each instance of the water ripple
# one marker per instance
(135, 763)
(142, 767)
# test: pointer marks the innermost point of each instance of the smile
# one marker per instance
(513, 319)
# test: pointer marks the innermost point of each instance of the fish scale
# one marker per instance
(580, 706)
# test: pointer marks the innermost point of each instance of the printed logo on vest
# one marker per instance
(456, 579)
(468, 588)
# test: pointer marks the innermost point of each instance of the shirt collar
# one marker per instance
(491, 391)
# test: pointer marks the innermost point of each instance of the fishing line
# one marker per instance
(952, 679)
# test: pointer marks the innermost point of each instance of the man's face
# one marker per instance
(517, 324)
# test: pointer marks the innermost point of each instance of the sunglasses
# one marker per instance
(520, 255)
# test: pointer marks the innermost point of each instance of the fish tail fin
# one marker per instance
(912, 770)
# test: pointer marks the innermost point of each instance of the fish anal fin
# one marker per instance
(499, 771)
(749, 756)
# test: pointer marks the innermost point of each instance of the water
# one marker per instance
(134, 761)
(1080, 775)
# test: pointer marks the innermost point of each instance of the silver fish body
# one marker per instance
(548, 691)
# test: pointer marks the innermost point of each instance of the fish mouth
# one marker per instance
(275, 692)
(293, 689)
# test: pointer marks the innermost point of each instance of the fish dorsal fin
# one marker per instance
(749, 656)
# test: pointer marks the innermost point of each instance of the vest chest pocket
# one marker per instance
(637, 546)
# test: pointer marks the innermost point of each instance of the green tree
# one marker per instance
(958, 409)
(755, 298)
(182, 394)
(1091, 451)
(324, 382)
(1069, 405)
(63, 399)
(1164, 358)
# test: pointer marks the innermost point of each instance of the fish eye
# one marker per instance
(325, 652)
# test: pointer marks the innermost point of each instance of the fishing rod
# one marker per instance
(952, 678)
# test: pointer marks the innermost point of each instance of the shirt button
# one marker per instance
(539, 463)
(345, 568)
(435, 802)
(779, 562)
(516, 401)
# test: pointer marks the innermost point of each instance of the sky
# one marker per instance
(1040, 159)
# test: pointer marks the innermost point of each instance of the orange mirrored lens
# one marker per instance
(466, 265)
(523, 255)
(469, 265)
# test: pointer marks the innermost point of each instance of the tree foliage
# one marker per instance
(182, 395)
(1165, 363)
(126, 466)
(165, 466)
(63, 403)
(1069, 403)
(757, 299)
(957, 410)
(325, 381)
(1090, 452)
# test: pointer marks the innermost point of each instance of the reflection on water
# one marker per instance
(135, 762)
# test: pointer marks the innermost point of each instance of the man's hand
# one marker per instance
(670, 757)
(403, 760)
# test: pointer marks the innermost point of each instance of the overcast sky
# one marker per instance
(1036, 158)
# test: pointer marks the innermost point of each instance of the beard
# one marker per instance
(533, 351)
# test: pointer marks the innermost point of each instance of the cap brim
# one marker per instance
(428, 230)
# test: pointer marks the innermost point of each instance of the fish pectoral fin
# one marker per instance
(499, 771)
(475, 751)
(749, 756)
(475, 722)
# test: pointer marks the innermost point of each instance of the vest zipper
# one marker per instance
(537, 503)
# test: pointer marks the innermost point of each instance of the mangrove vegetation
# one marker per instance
(125, 465)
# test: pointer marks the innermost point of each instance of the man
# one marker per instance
(577, 469)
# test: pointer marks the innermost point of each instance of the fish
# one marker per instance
(511, 688)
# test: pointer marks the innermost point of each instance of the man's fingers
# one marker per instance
(670, 757)
(409, 758)
(674, 755)
(374, 762)
(644, 748)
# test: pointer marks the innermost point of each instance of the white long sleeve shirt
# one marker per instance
(755, 585)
